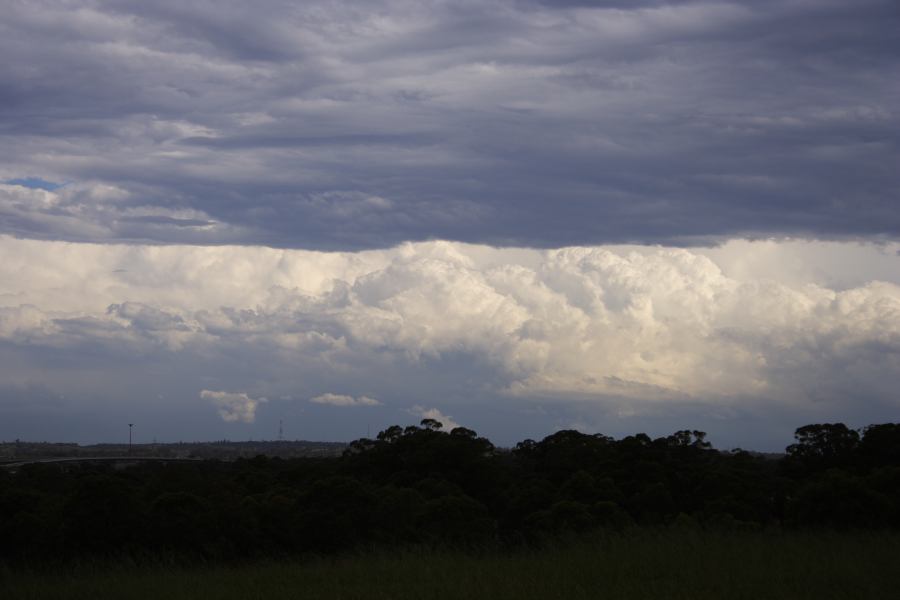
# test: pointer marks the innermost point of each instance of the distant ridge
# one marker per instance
(19, 451)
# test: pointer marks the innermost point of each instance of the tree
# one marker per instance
(431, 424)
(391, 434)
(688, 439)
(823, 446)
(880, 445)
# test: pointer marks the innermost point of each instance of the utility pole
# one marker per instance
(130, 425)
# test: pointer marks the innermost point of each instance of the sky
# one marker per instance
(515, 216)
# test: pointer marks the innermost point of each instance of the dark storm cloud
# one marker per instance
(361, 124)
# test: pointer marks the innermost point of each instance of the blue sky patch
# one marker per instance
(35, 183)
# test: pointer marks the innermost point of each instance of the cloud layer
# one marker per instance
(633, 330)
(342, 125)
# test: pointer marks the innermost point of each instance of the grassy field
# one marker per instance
(665, 565)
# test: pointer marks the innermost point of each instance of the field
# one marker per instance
(661, 564)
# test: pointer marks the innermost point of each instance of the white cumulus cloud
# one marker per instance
(342, 400)
(233, 406)
(641, 327)
(448, 424)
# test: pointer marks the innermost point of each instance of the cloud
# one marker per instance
(355, 125)
(632, 330)
(98, 212)
(233, 406)
(342, 400)
(448, 424)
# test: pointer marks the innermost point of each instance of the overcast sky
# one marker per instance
(518, 216)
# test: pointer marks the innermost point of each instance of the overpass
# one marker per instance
(118, 461)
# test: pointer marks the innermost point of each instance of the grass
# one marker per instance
(669, 564)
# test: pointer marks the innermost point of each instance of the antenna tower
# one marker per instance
(280, 430)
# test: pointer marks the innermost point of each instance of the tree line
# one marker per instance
(421, 485)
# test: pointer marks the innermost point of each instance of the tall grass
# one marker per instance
(670, 564)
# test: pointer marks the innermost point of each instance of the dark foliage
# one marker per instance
(420, 485)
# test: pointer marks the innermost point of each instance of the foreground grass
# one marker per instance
(663, 565)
